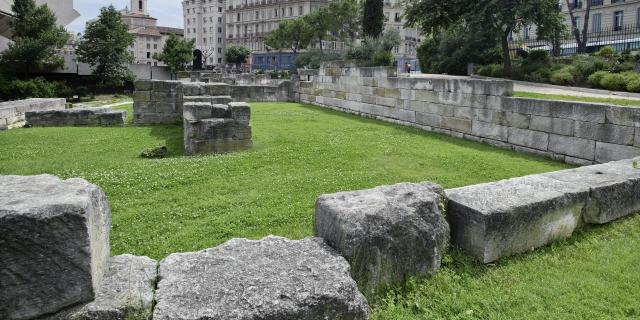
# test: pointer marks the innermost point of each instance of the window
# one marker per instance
(577, 21)
(155, 46)
(617, 20)
(257, 15)
(148, 46)
(219, 60)
(148, 55)
(397, 17)
(527, 32)
(596, 22)
(238, 18)
(638, 18)
(275, 12)
(219, 9)
(300, 10)
(219, 19)
(219, 50)
(140, 6)
(290, 11)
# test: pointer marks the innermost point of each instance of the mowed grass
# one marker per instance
(544, 96)
(189, 203)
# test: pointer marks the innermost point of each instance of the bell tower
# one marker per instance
(139, 6)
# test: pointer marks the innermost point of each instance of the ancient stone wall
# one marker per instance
(77, 117)
(480, 110)
(12, 113)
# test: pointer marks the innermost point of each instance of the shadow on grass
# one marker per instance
(173, 138)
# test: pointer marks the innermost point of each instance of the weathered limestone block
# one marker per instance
(614, 189)
(273, 278)
(54, 244)
(494, 220)
(609, 133)
(205, 110)
(126, 292)
(240, 112)
(77, 117)
(529, 138)
(490, 130)
(552, 125)
(606, 152)
(576, 147)
(387, 232)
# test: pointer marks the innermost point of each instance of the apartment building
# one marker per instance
(604, 14)
(204, 21)
(410, 37)
(149, 37)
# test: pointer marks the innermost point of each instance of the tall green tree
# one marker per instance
(293, 34)
(500, 17)
(105, 45)
(373, 18)
(321, 22)
(347, 18)
(236, 54)
(177, 53)
(36, 37)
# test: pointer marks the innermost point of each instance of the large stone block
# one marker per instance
(605, 132)
(529, 138)
(613, 189)
(490, 130)
(494, 220)
(552, 125)
(273, 278)
(606, 152)
(54, 244)
(517, 120)
(624, 116)
(386, 233)
(126, 292)
(240, 112)
(575, 147)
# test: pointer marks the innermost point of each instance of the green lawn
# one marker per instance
(189, 203)
(615, 101)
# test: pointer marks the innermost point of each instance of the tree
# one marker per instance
(373, 18)
(177, 53)
(236, 54)
(293, 34)
(499, 17)
(582, 37)
(105, 46)
(347, 18)
(321, 22)
(36, 37)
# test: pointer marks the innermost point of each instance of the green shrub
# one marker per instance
(634, 85)
(382, 58)
(564, 76)
(613, 81)
(586, 65)
(540, 75)
(595, 78)
(606, 52)
(33, 88)
(313, 59)
(538, 56)
(492, 70)
(157, 152)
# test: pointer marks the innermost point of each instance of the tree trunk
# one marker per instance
(585, 29)
(506, 56)
(574, 27)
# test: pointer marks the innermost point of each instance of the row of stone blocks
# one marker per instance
(54, 253)
(101, 116)
(12, 113)
(54, 247)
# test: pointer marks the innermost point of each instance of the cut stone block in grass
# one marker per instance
(614, 189)
(273, 278)
(386, 233)
(54, 244)
(494, 220)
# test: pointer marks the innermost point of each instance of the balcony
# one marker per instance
(595, 3)
(576, 5)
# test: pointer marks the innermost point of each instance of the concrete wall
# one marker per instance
(480, 110)
(12, 113)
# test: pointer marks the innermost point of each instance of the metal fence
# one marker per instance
(621, 38)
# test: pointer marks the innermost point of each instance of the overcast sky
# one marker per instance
(168, 12)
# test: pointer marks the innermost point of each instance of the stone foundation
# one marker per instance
(77, 117)
(479, 110)
(12, 113)
(216, 128)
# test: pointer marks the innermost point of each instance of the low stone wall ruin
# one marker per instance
(55, 246)
(100, 116)
(480, 110)
(12, 113)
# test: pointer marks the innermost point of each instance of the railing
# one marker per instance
(621, 38)
(595, 3)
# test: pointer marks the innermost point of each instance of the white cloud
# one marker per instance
(168, 12)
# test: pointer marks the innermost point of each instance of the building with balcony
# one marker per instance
(204, 21)
(410, 37)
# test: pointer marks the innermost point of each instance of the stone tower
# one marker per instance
(139, 6)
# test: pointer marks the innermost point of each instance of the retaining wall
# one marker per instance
(479, 110)
(12, 113)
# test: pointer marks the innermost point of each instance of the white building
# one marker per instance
(410, 37)
(149, 37)
(204, 21)
(63, 9)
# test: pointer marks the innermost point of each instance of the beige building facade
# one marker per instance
(149, 37)
(204, 21)
(410, 37)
